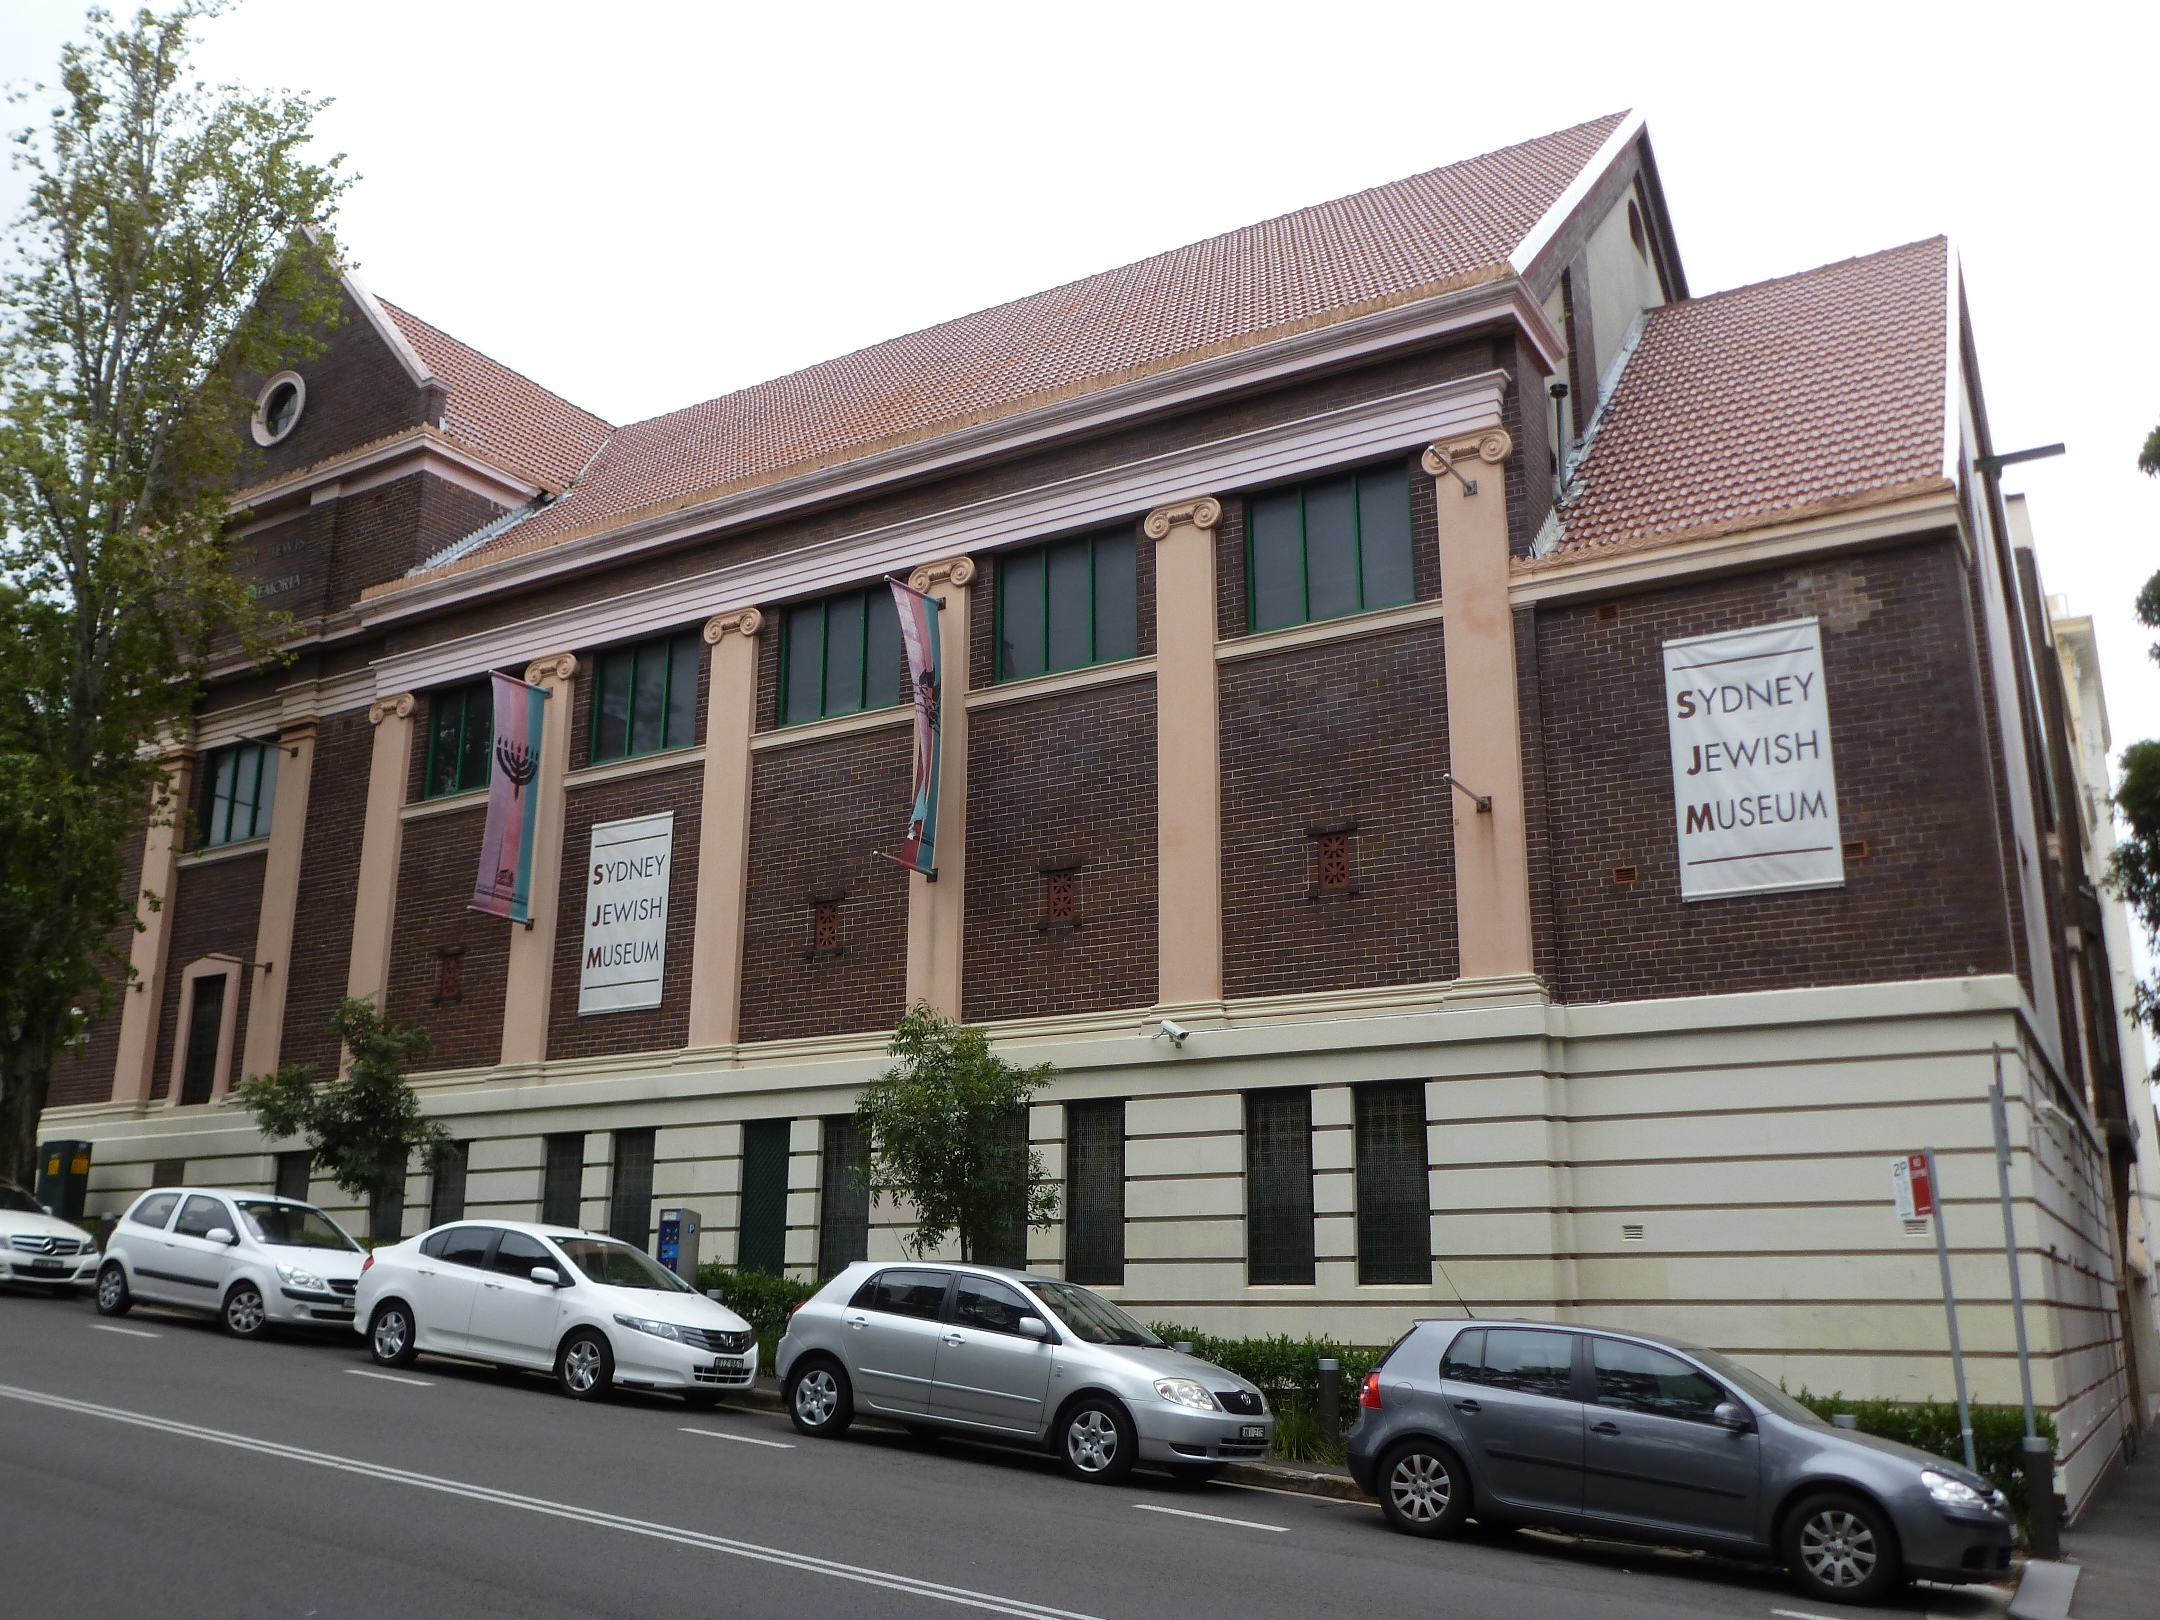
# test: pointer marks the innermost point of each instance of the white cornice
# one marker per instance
(388, 330)
(1282, 451)
(379, 463)
(1586, 179)
(1364, 337)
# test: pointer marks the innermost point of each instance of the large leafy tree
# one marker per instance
(2136, 868)
(941, 1129)
(364, 1127)
(165, 253)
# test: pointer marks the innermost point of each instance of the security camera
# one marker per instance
(1176, 1032)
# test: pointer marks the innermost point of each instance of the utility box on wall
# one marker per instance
(678, 1249)
(63, 1177)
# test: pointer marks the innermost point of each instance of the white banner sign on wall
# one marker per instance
(626, 907)
(1754, 793)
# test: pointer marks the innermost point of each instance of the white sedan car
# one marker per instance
(250, 1259)
(593, 1310)
(41, 1249)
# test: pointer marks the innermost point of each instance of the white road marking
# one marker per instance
(1213, 1518)
(391, 1378)
(742, 1439)
(133, 1333)
(1799, 1614)
(959, 1596)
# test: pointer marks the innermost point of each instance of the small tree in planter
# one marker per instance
(362, 1129)
(939, 1130)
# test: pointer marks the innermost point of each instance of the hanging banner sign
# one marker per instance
(626, 911)
(1754, 793)
(919, 633)
(504, 887)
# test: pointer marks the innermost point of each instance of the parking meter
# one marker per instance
(678, 1249)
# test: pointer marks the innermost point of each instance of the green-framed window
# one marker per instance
(1095, 1192)
(1332, 546)
(461, 730)
(239, 784)
(645, 698)
(1394, 1198)
(840, 655)
(1067, 604)
(1278, 1186)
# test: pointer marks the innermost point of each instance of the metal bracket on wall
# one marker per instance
(1482, 800)
(1469, 486)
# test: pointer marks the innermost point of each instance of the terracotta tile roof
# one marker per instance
(1453, 226)
(503, 416)
(1814, 393)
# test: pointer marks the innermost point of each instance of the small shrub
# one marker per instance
(759, 1298)
(1287, 1370)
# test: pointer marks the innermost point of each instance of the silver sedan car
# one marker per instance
(983, 1350)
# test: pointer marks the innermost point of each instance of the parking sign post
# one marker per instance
(1913, 1183)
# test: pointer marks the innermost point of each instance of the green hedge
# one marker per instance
(1998, 1434)
(759, 1298)
(1288, 1370)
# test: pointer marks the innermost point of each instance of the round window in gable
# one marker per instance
(278, 407)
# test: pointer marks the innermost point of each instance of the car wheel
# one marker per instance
(586, 1366)
(1194, 1473)
(393, 1338)
(1096, 1441)
(1841, 1548)
(113, 1298)
(245, 1315)
(820, 1401)
(1423, 1489)
(701, 1400)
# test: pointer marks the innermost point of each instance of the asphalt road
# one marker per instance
(153, 1467)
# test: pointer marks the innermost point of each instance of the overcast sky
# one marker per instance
(643, 205)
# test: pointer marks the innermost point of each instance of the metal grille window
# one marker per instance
(840, 655)
(1095, 1192)
(1278, 1186)
(1324, 549)
(630, 1211)
(844, 1212)
(645, 698)
(762, 1241)
(206, 1019)
(1004, 1243)
(1068, 604)
(563, 1186)
(1394, 1204)
(239, 784)
(461, 731)
(292, 1174)
(446, 1199)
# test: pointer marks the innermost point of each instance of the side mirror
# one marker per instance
(1732, 1415)
(548, 1275)
(221, 1234)
(1034, 1327)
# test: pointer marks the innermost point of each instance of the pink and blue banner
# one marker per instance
(504, 888)
(919, 634)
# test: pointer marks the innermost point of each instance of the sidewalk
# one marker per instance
(2116, 1545)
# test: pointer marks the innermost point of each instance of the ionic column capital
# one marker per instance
(1202, 513)
(560, 667)
(383, 708)
(745, 622)
(1492, 445)
(947, 571)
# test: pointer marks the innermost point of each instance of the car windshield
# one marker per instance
(620, 1266)
(1093, 1319)
(1758, 1387)
(293, 1226)
(17, 1202)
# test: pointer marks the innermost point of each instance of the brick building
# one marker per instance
(1318, 591)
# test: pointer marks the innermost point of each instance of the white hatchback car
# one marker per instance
(251, 1259)
(41, 1249)
(593, 1310)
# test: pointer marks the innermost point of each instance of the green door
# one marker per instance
(764, 1196)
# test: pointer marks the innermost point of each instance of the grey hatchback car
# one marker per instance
(1653, 1440)
(980, 1349)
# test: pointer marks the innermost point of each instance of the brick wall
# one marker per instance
(643, 1029)
(435, 881)
(85, 1074)
(380, 533)
(817, 812)
(357, 392)
(1069, 775)
(329, 888)
(1347, 730)
(1911, 756)
(215, 907)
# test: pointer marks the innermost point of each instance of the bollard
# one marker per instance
(1330, 1400)
(2040, 1499)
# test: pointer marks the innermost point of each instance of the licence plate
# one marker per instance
(47, 1268)
(726, 1364)
(1254, 1432)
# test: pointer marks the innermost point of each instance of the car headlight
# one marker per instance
(1955, 1494)
(659, 1330)
(302, 1279)
(1184, 1392)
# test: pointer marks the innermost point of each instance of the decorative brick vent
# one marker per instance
(824, 907)
(1856, 849)
(1061, 893)
(1334, 866)
(450, 974)
(1624, 875)
(1608, 611)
